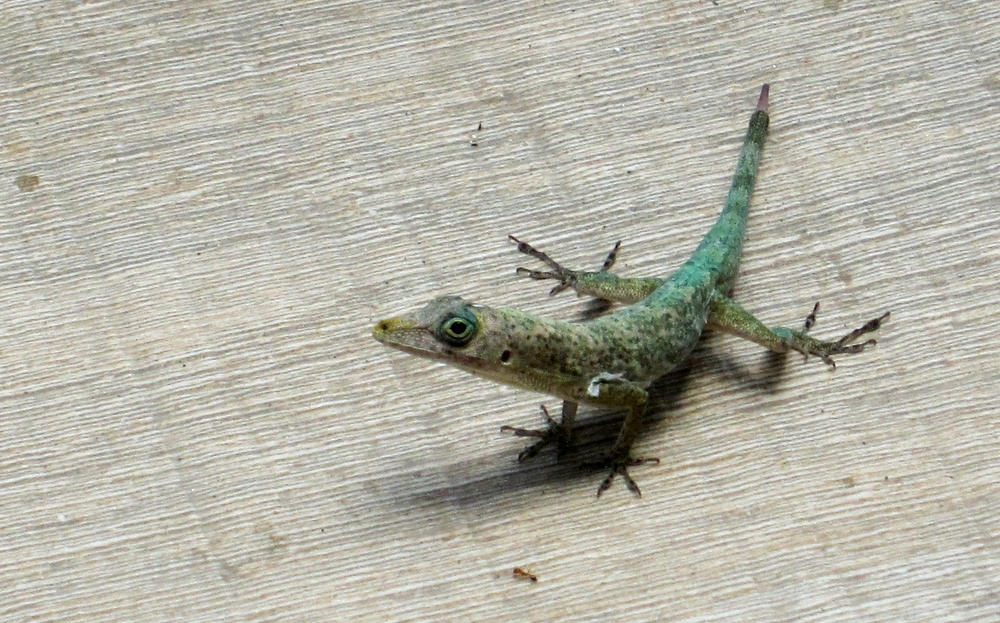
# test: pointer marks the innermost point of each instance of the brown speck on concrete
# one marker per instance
(27, 183)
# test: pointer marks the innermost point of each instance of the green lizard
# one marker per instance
(608, 362)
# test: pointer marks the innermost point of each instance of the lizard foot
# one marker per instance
(567, 278)
(800, 342)
(554, 432)
(619, 467)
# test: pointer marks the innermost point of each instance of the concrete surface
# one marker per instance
(207, 205)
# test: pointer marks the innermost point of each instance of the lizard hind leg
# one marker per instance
(728, 316)
(560, 433)
(802, 343)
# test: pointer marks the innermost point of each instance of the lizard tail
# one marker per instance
(719, 252)
(762, 100)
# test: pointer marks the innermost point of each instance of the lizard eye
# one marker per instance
(458, 330)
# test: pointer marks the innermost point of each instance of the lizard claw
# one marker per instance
(619, 467)
(554, 432)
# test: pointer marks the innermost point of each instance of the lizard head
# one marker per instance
(503, 345)
(447, 329)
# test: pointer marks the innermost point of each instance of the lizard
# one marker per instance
(610, 361)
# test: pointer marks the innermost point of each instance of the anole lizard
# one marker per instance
(608, 362)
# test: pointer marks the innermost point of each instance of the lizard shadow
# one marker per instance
(762, 377)
(595, 308)
(596, 430)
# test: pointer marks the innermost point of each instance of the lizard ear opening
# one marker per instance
(458, 330)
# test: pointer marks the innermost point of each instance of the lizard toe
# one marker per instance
(619, 467)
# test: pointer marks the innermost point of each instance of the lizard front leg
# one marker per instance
(600, 284)
(728, 316)
(605, 390)
(612, 390)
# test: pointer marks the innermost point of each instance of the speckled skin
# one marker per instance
(608, 362)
